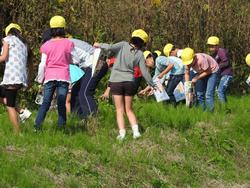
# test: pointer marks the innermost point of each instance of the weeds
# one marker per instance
(179, 147)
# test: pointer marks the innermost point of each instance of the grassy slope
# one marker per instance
(179, 148)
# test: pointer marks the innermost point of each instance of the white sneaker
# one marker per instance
(136, 135)
(25, 115)
(120, 137)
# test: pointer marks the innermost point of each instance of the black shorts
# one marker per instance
(10, 95)
(123, 88)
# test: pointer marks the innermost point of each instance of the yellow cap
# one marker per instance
(57, 22)
(69, 36)
(158, 52)
(187, 56)
(167, 49)
(248, 59)
(156, 2)
(10, 26)
(141, 34)
(61, 1)
(146, 53)
(213, 40)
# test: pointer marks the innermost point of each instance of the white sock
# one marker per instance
(135, 130)
(122, 133)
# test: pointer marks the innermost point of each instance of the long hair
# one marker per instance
(17, 33)
(154, 55)
(137, 42)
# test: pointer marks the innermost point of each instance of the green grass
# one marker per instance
(179, 147)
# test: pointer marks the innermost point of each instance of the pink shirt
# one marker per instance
(58, 54)
(203, 62)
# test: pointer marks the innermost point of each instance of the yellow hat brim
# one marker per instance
(212, 44)
(10, 26)
(188, 62)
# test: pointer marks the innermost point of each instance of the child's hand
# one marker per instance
(160, 76)
(96, 45)
(142, 93)
(104, 96)
(194, 80)
(151, 92)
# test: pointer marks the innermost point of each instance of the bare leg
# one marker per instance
(4, 102)
(119, 106)
(129, 110)
(13, 118)
(131, 116)
(68, 99)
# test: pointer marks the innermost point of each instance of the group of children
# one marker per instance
(73, 68)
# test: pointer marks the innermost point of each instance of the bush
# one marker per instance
(184, 23)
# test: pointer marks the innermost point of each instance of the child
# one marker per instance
(56, 53)
(157, 52)
(166, 65)
(248, 63)
(206, 77)
(170, 50)
(75, 74)
(225, 75)
(16, 55)
(82, 96)
(137, 78)
(128, 55)
(248, 59)
(81, 99)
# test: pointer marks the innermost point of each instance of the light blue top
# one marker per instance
(75, 73)
(162, 62)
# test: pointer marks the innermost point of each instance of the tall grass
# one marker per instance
(179, 147)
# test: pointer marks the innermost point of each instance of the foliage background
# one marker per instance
(182, 22)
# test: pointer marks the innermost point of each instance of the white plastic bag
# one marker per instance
(160, 94)
(179, 92)
(95, 59)
(248, 81)
(189, 94)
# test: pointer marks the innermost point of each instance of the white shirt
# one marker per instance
(16, 65)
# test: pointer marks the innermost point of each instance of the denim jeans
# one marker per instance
(49, 89)
(174, 80)
(223, 86)
(205, 87)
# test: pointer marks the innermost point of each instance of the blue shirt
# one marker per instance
(75, 73)
(162, 62)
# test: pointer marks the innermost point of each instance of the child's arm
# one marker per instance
(41, 69)
(187, 73)
(115, 48)
(145, 91)
(145, 73)
(202, 75)
(5, 52)
(75, 56)
(106, 93)
(166, 70)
